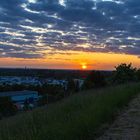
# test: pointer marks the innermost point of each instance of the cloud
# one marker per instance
(29, 28)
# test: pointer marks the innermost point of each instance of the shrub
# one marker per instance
(124, 73)
(138, 74)
(7, 108)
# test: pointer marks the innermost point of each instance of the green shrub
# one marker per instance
(7, 108)
(124, 73)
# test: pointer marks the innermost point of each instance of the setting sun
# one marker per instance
(84, 66)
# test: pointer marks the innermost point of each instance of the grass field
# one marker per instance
(78, 117)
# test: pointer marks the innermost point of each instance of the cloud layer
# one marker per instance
(37, 28)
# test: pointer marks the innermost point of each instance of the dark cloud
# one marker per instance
(28, 28)
(23, 55)
(110, 8)
(50, 6)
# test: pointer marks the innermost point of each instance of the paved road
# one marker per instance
(127, 125)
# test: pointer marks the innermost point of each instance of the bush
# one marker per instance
(7, 108)
(138, 74)
(43, 100)
(124, 73)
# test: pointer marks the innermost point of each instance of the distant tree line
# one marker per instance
(43, 73)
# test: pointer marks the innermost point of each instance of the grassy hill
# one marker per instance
(78, 117)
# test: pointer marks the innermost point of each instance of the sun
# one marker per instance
(84, 66)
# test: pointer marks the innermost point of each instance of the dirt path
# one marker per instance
(127, 125)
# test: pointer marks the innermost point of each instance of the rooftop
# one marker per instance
(16, 93)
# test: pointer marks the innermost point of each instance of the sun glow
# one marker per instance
(84, 66)
(81, 61)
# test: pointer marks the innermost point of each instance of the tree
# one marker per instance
(124, 73)
(7, 108)
(43, 100)
(94, 80)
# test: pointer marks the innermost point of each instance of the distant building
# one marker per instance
(79, 82)
(14, 80)
(20, 97)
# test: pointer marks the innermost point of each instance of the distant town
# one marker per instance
(35, 81)
(25, 89)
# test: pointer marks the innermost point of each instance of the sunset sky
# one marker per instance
(69, 34)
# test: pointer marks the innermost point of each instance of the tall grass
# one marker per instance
(75, 118)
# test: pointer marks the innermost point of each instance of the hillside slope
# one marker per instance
(127, 124)
(78, 117)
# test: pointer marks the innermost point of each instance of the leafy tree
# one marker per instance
(94, 80)
(43, 100)
(7, 108)
(124, 73)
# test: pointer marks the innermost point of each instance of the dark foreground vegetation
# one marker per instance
(78, 117)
